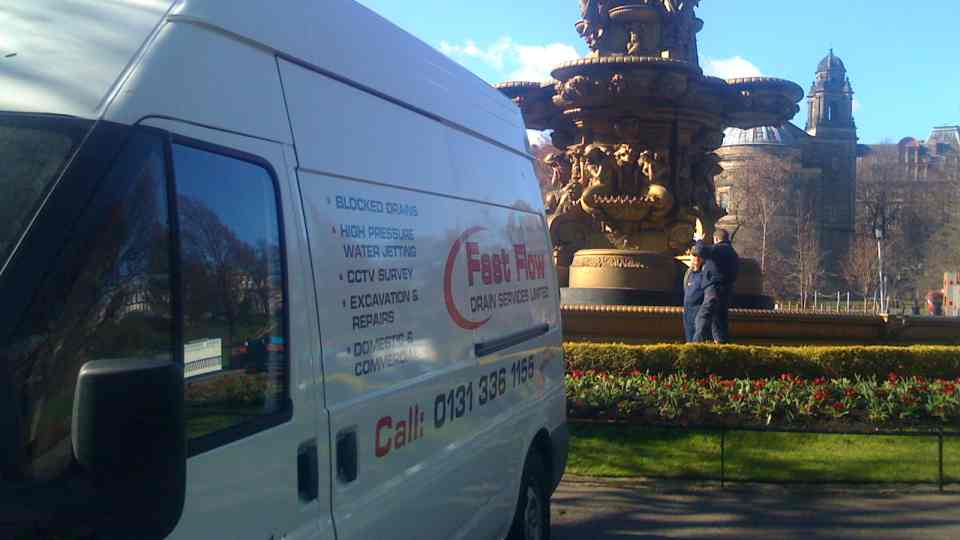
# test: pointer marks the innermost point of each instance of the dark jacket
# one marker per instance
(721, 264)
(692, 289)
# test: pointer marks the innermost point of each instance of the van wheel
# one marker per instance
(532, 518)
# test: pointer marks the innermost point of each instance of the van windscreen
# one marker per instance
(33, 152)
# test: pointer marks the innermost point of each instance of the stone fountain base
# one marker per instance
(616, 277)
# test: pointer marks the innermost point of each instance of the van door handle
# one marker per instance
(347, 455)
(308, 471)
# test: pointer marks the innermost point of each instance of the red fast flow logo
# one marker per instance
(486, 267)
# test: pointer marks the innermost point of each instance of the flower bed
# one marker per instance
(227, 389)
(785, 401)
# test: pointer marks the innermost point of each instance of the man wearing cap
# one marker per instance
(720, 267)
(693, 299)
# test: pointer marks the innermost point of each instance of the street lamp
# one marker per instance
(879, 233)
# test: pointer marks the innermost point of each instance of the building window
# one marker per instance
(723, 199)
(235, 349)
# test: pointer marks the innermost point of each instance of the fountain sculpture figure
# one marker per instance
(636, 123)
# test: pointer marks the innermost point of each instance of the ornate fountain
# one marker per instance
(636, 123)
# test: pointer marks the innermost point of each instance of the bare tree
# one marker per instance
(765, 185)
(908, 212)
(760, 192)
(860, 268)
(218, 266)
(808, 258)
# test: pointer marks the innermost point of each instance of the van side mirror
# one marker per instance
(129, 436)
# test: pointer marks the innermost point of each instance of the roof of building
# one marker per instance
(784, 135)
(946, 135)
(831, 62)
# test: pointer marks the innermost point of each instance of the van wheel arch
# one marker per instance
(532, 511)
(543, 445)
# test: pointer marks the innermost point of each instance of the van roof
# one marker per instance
(66, 57)
(349, 41)
(70, 57)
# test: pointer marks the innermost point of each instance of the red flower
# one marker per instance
(820, 395)
(892, 377)
(949, 388)
(652, 378)
(726, 383)
(736, 397)
(838, 406)
(635, 373)
(819, 381)
(921, 379)
(759, 384)
(576, 374)
(851, 392)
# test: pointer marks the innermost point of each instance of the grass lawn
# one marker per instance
(628, 451)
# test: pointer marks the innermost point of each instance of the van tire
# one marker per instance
(531, 521)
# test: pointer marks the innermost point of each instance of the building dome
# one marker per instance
(831, 63)
(761, 136)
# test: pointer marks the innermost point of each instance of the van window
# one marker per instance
(33, 150)
(235, 354)
(106, 296)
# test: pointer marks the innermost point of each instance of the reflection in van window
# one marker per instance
(235, 354)
(108, 298)
(32, 151)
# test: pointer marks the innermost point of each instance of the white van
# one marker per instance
(338, 229)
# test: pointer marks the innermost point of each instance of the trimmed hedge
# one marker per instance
(732, 361)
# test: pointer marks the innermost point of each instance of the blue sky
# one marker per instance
(903, 57)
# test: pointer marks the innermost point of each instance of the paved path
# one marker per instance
(591, 510)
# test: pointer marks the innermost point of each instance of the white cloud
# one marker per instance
(731, 68)
(494, 55)
(536, 63)
(514, 60)
(537, 137)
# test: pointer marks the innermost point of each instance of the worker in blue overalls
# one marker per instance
(693, 290)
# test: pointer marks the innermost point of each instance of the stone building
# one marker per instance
(822, 160)
(935, 159)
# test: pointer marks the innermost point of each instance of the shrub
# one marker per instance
(731, 361)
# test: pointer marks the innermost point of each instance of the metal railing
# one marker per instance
(939, 434)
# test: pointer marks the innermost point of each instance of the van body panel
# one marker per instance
(405, 149)
(186, 75)
(410, 283)
(429, 417)
(65, 57)
(346, 39)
